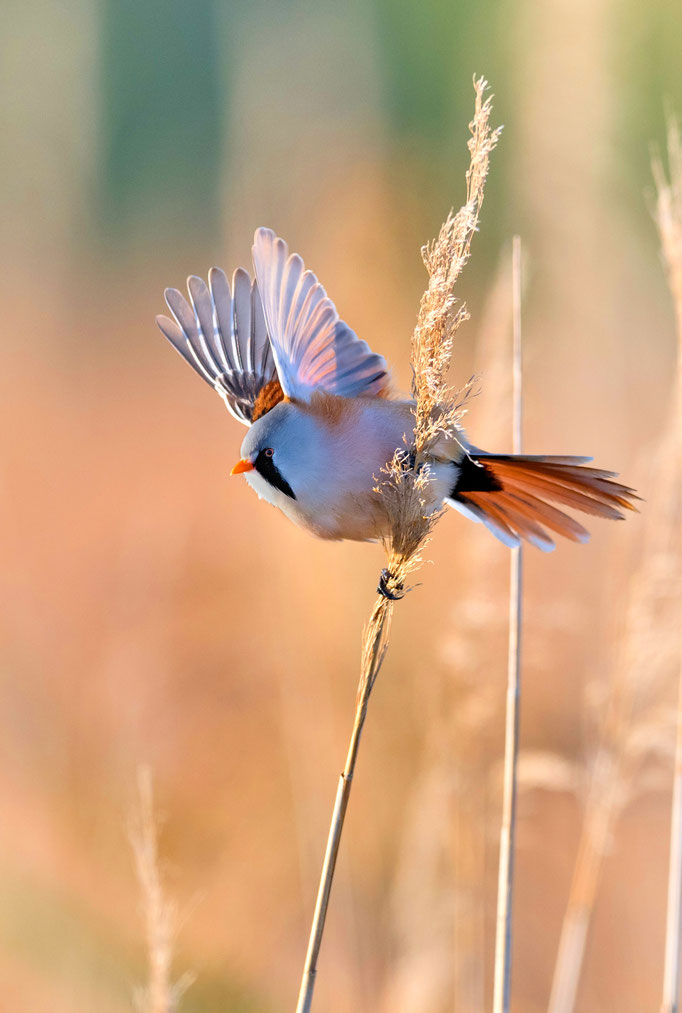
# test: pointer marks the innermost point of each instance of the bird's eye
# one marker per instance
(269, 452)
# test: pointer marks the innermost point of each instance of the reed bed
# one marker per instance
(637, 730)
(404, 485)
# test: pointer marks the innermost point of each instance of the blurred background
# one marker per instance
(154, 611)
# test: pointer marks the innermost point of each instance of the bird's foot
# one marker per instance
(389, 587)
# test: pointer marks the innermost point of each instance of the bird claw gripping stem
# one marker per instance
(389, 587)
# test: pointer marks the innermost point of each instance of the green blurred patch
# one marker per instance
(429, 54)
(213, 994)
(71, 948)
(162, 116)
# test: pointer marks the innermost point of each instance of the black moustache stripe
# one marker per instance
(265, 467)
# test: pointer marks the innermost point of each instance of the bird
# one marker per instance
(324, 421)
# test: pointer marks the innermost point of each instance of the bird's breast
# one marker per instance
(337, 477)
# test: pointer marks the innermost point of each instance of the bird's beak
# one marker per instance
(242, 466)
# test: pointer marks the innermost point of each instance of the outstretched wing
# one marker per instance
(223, 336)
(313, 349)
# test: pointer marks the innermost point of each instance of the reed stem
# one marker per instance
(503, 939)
(374, 650)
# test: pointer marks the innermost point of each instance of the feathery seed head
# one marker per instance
(439, 408)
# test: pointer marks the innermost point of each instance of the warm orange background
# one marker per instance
(153, 610)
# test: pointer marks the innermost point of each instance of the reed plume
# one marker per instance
(161, 994)
(405, 481)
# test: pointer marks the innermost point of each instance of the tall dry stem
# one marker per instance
(405, 483)
(668, 215)
(437, 922)
(505, 886)
(161, 994)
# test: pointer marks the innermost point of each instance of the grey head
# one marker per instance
(279, 445)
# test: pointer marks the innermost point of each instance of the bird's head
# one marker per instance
(278, 452)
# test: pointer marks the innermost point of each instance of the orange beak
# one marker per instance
(242, 466)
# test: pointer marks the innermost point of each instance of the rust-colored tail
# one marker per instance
(510, 493)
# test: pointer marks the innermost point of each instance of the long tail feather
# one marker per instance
(510, 495)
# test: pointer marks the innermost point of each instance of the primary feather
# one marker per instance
(223, 336)
(313, 348)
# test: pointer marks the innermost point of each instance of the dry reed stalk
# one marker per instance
(438, 904)
(668, 216)
(635, 728)
(505, 886)
(161, 994)
(438, 410)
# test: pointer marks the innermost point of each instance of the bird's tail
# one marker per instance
(510, 495)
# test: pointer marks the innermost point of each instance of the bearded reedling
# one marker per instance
(324, 425)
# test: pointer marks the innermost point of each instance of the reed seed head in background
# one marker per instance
(668, 215)
(161, 994)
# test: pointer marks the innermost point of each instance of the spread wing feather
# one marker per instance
(221, 333)
(312, 347)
